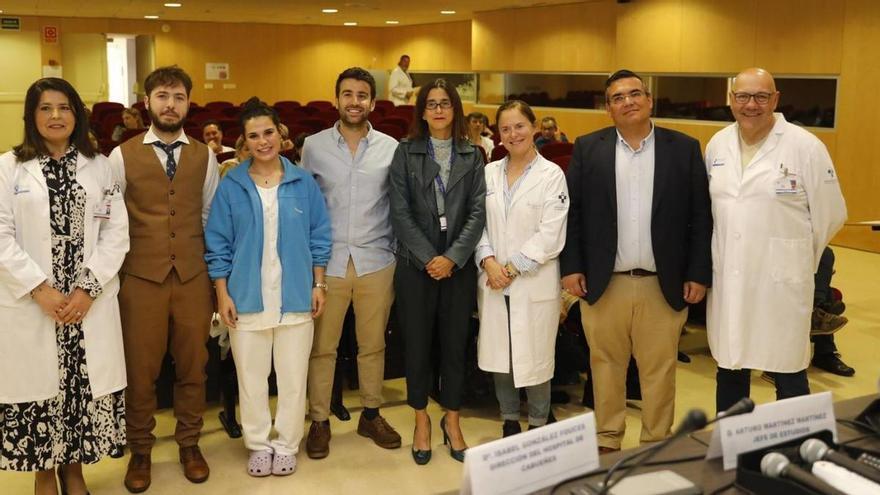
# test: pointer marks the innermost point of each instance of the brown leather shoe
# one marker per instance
(318, 441)
(195, 467)
(380, 431)
(137, 477)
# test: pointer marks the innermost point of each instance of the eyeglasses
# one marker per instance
(444, 104)
(619, 98)
(760, 98)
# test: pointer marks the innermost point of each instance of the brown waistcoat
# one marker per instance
(165, 216)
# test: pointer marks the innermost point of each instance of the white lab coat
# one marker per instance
(28, 352)
(535, 227)
(766, 245)
(399, 84)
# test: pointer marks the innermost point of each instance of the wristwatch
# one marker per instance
(320, 285)
(511, 270)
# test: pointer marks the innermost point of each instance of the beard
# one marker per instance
(348, 121)
(158, 124)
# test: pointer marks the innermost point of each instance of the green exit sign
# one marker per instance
(10, 23)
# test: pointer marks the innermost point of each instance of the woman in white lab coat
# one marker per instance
(63, 236)
(773, 217)
(518, 286)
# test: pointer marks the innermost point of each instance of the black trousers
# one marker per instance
(733, 385)
(425, 308)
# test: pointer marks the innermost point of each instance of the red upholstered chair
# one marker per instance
(498, 153)
(562, 161)
(231, 112)
(405, 111)
(314, 125)
(386, 106)
(226, 155)
(392, 130)
(320, 104)
(552, 150)
(403, 124)
(218, 106)
(282, 106)
(130, 133)
(102, 108)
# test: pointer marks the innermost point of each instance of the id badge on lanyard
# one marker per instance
(443, 224)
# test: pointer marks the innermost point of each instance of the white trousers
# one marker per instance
(290, 345)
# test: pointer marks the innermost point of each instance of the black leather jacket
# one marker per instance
(414, 207)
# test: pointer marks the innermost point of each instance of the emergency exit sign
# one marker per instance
(10, 23)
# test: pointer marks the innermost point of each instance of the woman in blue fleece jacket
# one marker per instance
(267, 245)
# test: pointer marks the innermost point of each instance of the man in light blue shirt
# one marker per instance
(350, 162)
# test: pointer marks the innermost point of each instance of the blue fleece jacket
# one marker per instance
(234, 238)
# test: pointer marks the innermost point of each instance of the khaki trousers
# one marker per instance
(371, 295)
(170, 316)
(632, 318)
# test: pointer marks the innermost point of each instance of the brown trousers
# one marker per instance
(157, 317)
(632, 318)
(372, 296)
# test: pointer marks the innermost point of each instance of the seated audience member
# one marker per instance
(827, 318)
(212, 135)
(131, 120)
(286, 143)
(518, 282)
(550, 133)
(269, 278)
(241, 154)
(476, 126)
(298, 141)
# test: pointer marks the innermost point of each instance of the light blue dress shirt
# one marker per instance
(356, 189)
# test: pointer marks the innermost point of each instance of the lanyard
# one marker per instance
(437, 178)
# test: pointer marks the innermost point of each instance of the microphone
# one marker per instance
(776, 465)
(813, 450)
(693, 421)
(743, 406)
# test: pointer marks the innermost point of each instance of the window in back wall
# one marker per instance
(807, 101)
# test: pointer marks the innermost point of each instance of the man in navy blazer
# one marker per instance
(638, 251)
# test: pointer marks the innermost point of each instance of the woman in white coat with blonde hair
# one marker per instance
(63, 236)
(518, 286)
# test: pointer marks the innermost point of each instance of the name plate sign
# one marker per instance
(770, 424)
(532, 460)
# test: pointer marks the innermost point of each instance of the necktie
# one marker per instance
(170, 164)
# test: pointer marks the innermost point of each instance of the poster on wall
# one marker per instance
(50, 35)
(215, 71)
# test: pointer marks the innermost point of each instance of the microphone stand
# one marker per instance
(695, 420)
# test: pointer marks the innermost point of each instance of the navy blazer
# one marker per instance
(681, 216)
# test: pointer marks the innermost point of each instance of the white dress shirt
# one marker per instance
(634, 172)
(212, 176)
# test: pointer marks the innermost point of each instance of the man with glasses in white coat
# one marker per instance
(776, 203)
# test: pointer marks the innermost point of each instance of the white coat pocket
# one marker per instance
(790, 260)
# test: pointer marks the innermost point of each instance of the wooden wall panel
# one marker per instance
(649, 35)
(717, 36)
(565, 38)
(433, 47)
(800, 36)
(857, 162)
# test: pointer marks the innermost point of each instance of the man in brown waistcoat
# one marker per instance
(165, 299)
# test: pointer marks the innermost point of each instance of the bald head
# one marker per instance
(752, 101)
(755, 77)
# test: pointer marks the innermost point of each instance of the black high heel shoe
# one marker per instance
(422, 457)
(458, 455)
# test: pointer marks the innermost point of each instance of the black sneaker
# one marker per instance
(510, 428)
(832, 364)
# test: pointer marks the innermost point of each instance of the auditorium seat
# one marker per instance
(218, 106)
(320, 104)
(562, 161)
(498, 153)
(385, 106)
(226, 155)
(552, 150)
(391, 129)
(402, 123)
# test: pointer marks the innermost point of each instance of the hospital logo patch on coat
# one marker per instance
(830, 176)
